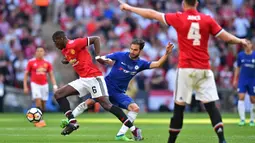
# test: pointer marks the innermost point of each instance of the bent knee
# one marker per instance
(134, 107)
(90, 103)
(57, 94)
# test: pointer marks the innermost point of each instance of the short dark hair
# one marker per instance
(58, 34)
(191, 2)
(139, 42)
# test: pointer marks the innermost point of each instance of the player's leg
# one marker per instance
(79, 110)
(182, 93)
(207, 93)
(37, 98)
(108, 106)
(83, 106)
(252, 110)
(60, 95)
(240, 105)
(251, 92)
(125, 102)
(44, 90)
(241, 108)
(99, 92)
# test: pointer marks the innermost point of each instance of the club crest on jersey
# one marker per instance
(136, 67)
(72, 51)
(253, 60)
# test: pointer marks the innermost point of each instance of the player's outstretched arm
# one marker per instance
(96, 41)
(146, 13)
(103, 60)
(160, 62)
(231, 39)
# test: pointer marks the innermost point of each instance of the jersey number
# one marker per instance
(194, 33)
(94, 90)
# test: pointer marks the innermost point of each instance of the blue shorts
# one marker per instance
(119, 98)
(247, 85)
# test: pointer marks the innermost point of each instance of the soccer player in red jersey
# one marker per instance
(38, 69)
(91, 80)
(193, 30)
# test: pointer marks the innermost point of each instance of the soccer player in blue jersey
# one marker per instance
(245, 78)
(126, 65)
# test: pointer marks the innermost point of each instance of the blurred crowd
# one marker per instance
(20, 34)
(21, 21)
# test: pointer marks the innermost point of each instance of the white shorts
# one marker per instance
(199, 80)
(40, 91)
(96, 86)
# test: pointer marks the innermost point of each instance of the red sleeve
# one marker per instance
(28, 68)
(49, 67)
(215, 28)
(81, 43)
(172, 19)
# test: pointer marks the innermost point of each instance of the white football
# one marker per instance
(34, 115)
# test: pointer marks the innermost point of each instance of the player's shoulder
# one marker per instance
(31, 60)
(240, 54)
(47, 62)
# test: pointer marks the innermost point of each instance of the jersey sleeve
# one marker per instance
(172, 19)
(113, 56)
(81, 43)
(145, 65)
(50, 68)
(238, 60)
(215, 28)
(28, 68)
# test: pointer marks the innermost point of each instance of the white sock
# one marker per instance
(80, 109)
(252, 112)
(241, 109)
(131, 116)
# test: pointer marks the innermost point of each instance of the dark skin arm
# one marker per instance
(92, 40)
(96, 41)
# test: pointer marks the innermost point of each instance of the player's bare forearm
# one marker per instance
(236, 74)
(148, 13)
(52, 78)
(96, 41)
(229, 38)
(25, 80)
(160, 62)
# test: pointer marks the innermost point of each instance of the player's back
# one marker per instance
(193, 30)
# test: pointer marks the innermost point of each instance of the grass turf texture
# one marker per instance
(102, 128)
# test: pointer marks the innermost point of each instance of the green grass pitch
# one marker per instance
(101, 128)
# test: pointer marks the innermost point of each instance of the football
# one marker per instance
(34, 115)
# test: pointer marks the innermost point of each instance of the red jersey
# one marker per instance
(39, 69)
(193, 30)
(77, 55)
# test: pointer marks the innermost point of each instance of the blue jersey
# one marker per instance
(246, 81)
(124, 69)
(247, 65)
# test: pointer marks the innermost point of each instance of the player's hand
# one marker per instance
(124, 6)
(245, 42)
(235, 83)
(55, 88)
(248, 44)
(103, 60)
(65, 61)
(26, 90)
(169, 48)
